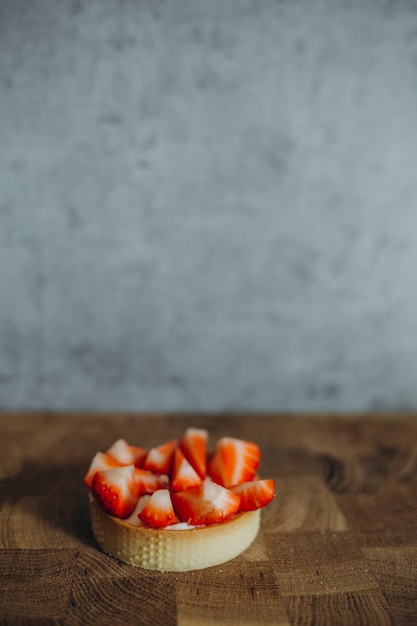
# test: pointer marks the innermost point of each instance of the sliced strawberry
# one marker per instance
(116, 490)
(148, 482)
(127, 454)
(194, 447)
(183, 474)
(208, 503)
(255, 493)
(159, 459)
(234, 461)
(101, 461)
(158, 512)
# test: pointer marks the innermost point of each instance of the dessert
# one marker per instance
(177, 507)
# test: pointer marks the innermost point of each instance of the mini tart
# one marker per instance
(174, 550)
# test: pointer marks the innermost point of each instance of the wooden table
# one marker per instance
(337, 546)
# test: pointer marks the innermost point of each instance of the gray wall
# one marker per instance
(208, 205)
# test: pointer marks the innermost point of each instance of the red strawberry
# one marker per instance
(194, 447)
(158, 511)
(183, 474)
(127, 454)
(234, 461)
(148, 482)
(115, 490)
(101, 461)
(255, 493)
(208, 503)
(159, 459)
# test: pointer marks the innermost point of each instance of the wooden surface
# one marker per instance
(337, 546)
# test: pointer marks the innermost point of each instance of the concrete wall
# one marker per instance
(208, 205)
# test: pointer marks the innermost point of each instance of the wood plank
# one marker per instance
(337, 546)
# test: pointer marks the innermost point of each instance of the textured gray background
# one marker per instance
(208, 205)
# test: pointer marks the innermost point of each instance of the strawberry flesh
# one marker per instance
(101, 461)
(234, 461)
(194, 446)
(254, 494)
(148, 482)
(208, 503)
(158, 512)
(126, 453)
(159, 459)
(183, 475)
(179, 480)
(116, 490)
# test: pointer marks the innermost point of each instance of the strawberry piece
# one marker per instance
(101, 461)
(234, 461)
(148, 482)
(127, 454)
(158, 512)
(183, 474)
(254, 494)
(194, 447)
(159, 459)
(209, 503)
(116, 490)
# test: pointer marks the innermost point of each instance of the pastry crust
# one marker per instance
(174, 550)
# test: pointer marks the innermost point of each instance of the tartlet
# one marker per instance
(176, 507)
(174, 550)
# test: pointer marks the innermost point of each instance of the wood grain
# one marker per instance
(337, 546)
